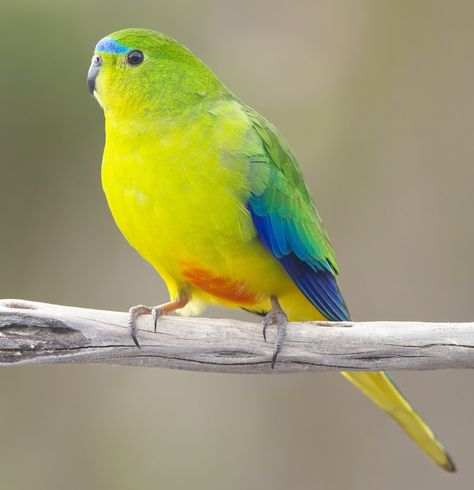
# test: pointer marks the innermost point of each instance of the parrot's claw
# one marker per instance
(156, 312)
(133, 313)
(270, 319)
(276, 316)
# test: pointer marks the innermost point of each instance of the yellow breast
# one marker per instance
(171, 193)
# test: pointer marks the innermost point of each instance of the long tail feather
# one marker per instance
(384, 393)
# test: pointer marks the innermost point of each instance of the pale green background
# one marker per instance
(376, 100)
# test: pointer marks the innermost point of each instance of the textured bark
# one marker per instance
(40, 333)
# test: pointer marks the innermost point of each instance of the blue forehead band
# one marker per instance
(110, 45)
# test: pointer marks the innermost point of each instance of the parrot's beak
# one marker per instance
(93, 72)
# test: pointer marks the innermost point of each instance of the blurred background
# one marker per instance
(376, 100)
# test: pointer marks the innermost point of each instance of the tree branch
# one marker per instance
(40, 333)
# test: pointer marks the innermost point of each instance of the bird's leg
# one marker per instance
(169, 307)
(275, 316)
(156, 311)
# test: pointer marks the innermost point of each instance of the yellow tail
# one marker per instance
(383, 392)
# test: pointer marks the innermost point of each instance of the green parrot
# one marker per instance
(210, 193)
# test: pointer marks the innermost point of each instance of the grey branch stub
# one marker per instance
(40, 333)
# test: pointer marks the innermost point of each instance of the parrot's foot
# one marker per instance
(133, 313)
(276, 316)
(156, 311)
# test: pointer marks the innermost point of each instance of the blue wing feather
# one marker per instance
(316, 281)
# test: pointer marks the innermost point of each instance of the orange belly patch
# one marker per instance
(221, 287)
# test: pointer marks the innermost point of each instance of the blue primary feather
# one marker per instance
(315, 279)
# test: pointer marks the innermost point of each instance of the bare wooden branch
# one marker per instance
(40, 333)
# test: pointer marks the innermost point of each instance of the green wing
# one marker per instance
(287, 221)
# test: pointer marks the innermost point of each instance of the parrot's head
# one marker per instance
(137, 73)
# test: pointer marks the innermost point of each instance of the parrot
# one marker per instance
(211, 195)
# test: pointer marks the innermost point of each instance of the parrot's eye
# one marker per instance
(135, 57)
